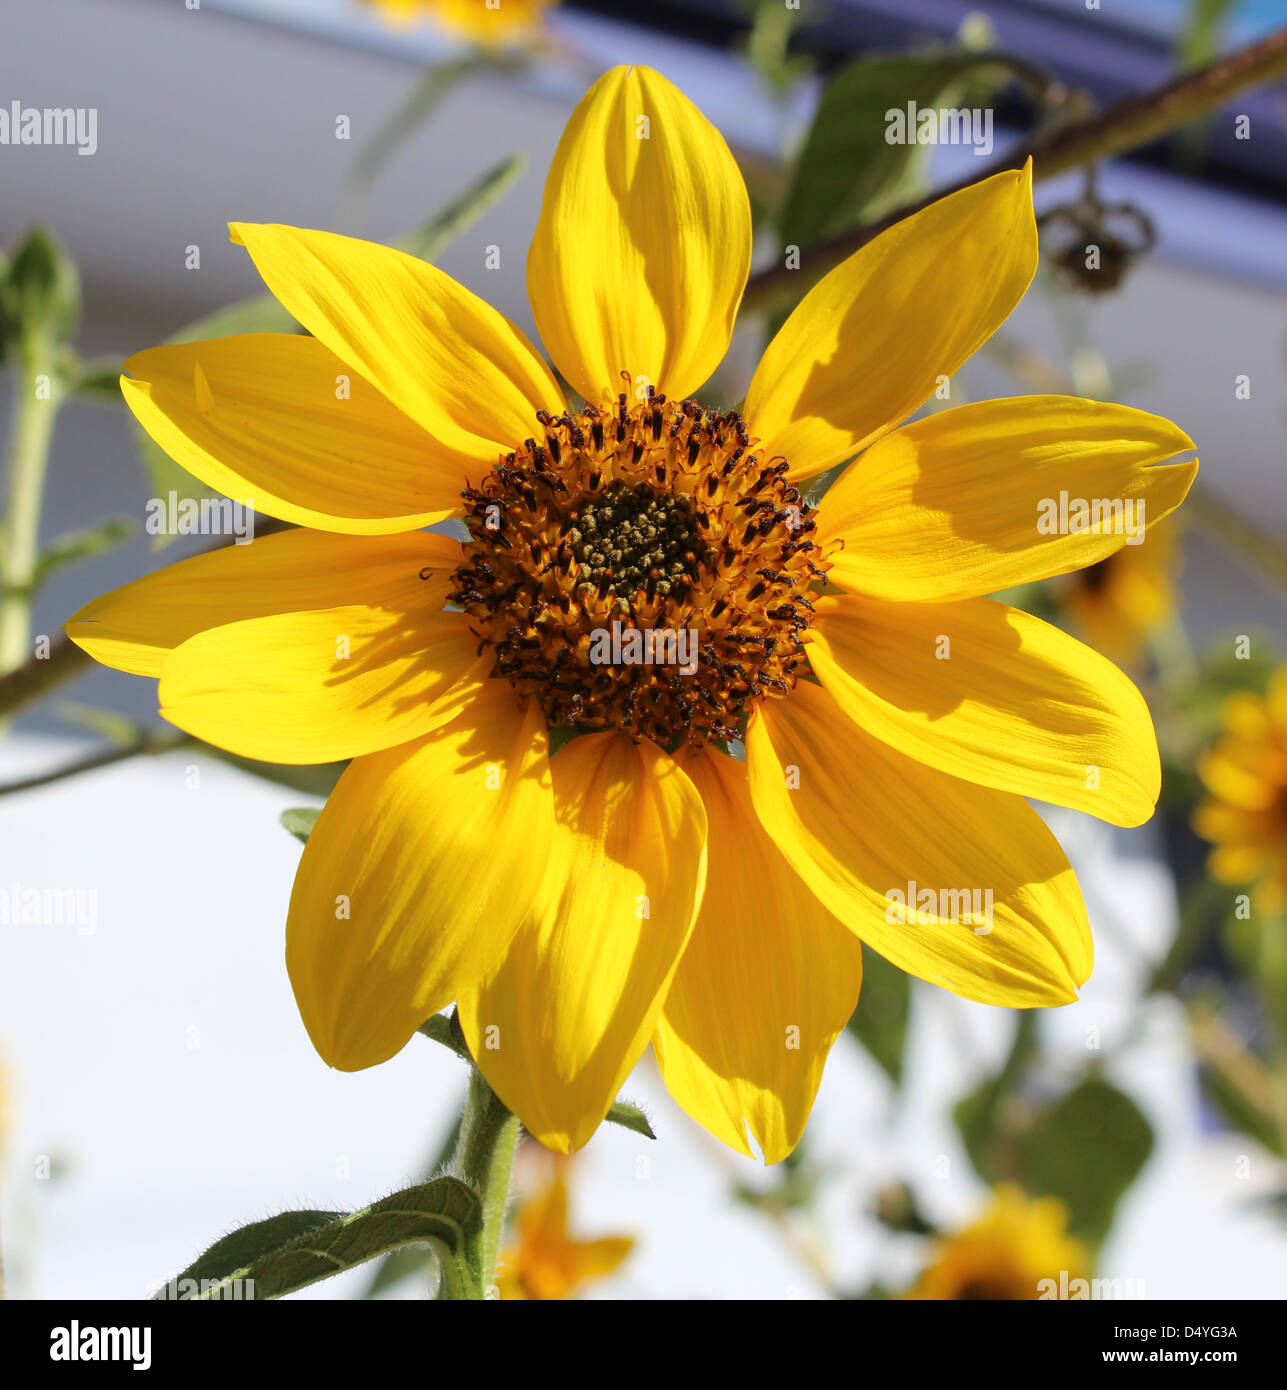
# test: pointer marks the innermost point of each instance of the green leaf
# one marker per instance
(247, 1244)
(768, 46)
(444, 1029)
(630, 1117)
(271, 1258)
(884, 1006)
(260, 313)
(1087, 1149)
(978, 1115)
(99, 381)
(75, 546)
(1243, 1117)
(1200, 35)
(847, 171)
(300, 820)
(560, 737)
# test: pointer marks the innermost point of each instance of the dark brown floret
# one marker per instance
(661, 518)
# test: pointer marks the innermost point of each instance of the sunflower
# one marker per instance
(492, 23)
(545, 1262)
(1245, 813)
(1118, 602)
(1010, 1252)
(646, 882)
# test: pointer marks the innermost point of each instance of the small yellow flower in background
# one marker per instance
(1118, 602)
(645, 573)
(491, 23)
(1018, 1242)
(1245, 813)
(545, 1262)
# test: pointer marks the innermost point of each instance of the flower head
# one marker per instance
(1016, 1244)
(1245, 812)
(644, 884)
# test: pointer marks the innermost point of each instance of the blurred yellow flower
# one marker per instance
(546, 1262)
(492, 23)
(645, 573)
(1245, 813)
(1118, 602)
(1016, 1244)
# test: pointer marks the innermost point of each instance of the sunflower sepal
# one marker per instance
(445, 1029)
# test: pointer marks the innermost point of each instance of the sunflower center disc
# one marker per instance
(642, 569)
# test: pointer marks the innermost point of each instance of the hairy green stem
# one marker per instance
(484, 1157)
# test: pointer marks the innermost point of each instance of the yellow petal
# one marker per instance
(874, 338)
(968, 502)
(1236, 864)
(413, 880)
(860, 823)
(277, 420)
(542, 1221)
(462, 371)
(134, 628)
(590, 1260)
(768, 981)
(1243, 774)
(1246, 716)
(321, 686)
(1238, 826)
(992, 695)
(558, 1026)
(548, 1263)
(643, 243)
